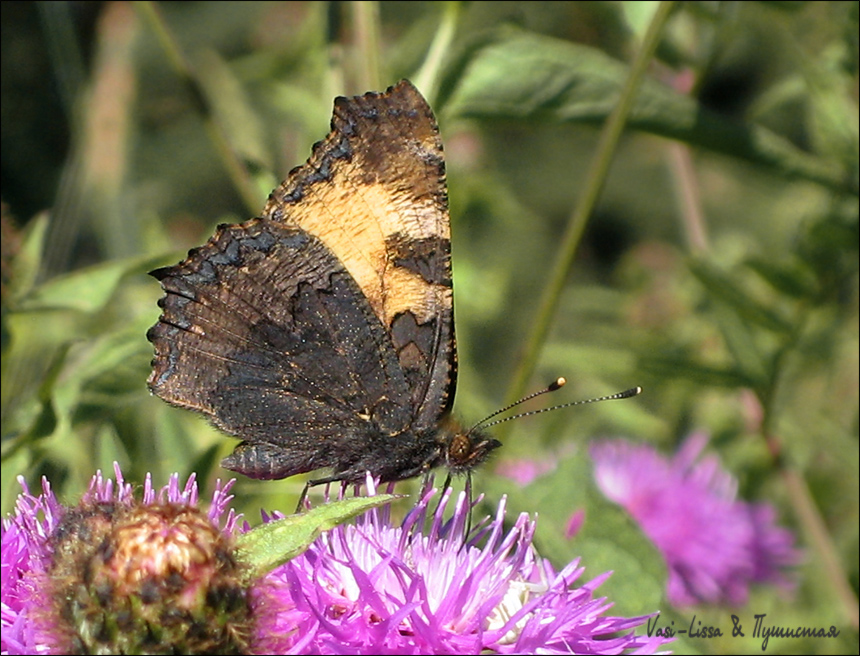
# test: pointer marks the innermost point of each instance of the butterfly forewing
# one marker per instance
(374, 192)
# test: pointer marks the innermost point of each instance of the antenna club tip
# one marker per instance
(558, 383)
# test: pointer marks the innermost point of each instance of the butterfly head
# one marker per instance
(465, 450)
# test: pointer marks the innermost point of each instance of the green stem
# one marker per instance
(816, 532)
(803, 504)
(597, 174)
(427, 77)
(365, 16)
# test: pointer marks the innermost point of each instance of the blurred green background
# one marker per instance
(718, 269)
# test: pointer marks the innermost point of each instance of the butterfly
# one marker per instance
(321, 333)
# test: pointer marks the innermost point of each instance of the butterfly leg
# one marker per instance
(442, 491)
(302, 505)
(468, 528)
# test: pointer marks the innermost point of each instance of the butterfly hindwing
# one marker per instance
(264, 332)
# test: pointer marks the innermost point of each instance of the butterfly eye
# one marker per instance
(459, 450)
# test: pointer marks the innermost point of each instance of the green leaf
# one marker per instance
(723, 287)
(112, 366)
(833, 104)
(525, 76)
(86, 290)
(274, 543)
(608, 539)
(740, 340)
(793, 279)
(638, 15)
(242, 126)
(669, 366)
(27, 262)
(45, 421)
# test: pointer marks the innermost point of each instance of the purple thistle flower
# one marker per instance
(370, 587)
(714, 545)
(375, 588)
(28, 551)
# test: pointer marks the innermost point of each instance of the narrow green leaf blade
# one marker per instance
(274, 543)
(85, 290)
(723, 287)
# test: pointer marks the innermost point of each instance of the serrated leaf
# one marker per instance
(274, 543)
(520, 75)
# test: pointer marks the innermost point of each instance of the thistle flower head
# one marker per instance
(418, 587)
(715, 545)
(117, 575)
(160, 576)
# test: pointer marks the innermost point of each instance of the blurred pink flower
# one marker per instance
(715, 545)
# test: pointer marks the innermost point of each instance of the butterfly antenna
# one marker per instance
(557, 384)
(626, 394)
